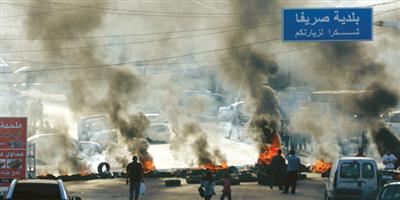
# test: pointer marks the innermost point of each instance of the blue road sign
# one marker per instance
(327, 24)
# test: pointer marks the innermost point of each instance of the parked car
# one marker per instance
(393, 120)
(35, 189)
(390, 191)
(353, 178)
(61, 146)
(388, 176)
(88, 149)
(97, 128)
(158, 133)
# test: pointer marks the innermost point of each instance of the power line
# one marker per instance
(139, 62)
(15, 37)
(33, 13)
(147, 12)
(147, 62)
(146, 41)
(164, 58)
(151, 74)
(105, 79)
(387, 11)
(128, 43)
(117, 11)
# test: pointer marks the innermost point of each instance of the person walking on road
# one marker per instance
(292, 171)
(278, 166)
(134, 177)
(226, 190)
(208, 185)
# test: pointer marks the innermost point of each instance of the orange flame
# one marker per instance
(148, 166)
(84, 170)
(270, 150)
(63, 172)
(43, 173)
(321, 166)
(213, 167)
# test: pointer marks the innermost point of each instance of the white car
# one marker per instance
(159, 130)
(97, 128)
(394, 122)
(50, 148)
(353, 178)
(158, 133)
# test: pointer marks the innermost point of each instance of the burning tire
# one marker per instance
(173, 183)
(104, 173)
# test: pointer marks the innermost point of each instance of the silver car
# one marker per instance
(35, 189)
(390, 191)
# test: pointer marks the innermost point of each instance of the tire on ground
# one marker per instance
(172, 183)
(104, 173)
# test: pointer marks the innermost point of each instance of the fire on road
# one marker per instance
(310, 189)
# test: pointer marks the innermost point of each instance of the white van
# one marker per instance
(353, 178)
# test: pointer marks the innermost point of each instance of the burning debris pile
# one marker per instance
(320, 166)
(192, 134)
(270, 150)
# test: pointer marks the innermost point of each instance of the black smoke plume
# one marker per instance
(250, 71)
(192, 134)
(351, 65)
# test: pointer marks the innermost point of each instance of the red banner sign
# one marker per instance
(13, 133)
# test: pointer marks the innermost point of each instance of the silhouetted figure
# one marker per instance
(292, 172)
(134, 177)
(36, 113)
(235, 124)
(208, 185)
(360, 153)
(226, 190)
(278, 166)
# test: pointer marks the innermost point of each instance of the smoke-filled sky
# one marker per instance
(166, 45)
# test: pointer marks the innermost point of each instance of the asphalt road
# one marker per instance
(115, 189)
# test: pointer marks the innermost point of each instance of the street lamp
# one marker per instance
(386, 23)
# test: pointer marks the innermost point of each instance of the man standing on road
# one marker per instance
(134, 177)
(292, 171)
(389, 160)
(278, 165)
(235, 124)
